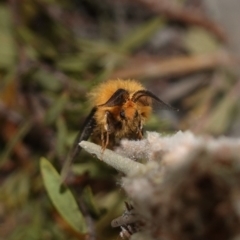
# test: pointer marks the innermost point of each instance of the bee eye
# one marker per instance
(122, 114)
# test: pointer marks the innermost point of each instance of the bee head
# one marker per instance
(128, 111)
(131, 110)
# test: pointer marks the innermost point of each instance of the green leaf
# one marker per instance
(89, 201)
(7, 43)
(61, 137)
(56, 109)
(15, 190)
(141, 35)
(199, 41)
(23, 130)
(221, 116)
(90, 167)
(47, 80)
(63, 201)
(73, 63)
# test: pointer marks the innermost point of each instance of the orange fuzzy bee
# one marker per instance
(121, 107)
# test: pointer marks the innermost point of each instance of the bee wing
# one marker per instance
(145, 96)
(87, 129)
(118, 98)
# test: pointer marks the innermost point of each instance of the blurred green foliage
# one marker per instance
(51, 54)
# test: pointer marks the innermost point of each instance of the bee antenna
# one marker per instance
(145, 93)
(118, 98)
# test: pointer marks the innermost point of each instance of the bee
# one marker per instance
(120, 110)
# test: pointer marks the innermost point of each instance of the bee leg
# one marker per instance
(102, 137)
(140, 131)
(140, 135)
(107, 129)
(105, 141)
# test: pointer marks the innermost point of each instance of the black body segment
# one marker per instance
(84, 134)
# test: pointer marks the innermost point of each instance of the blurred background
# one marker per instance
(53, 52)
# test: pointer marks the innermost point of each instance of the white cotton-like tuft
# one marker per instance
(186, 178)
(188, 188)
